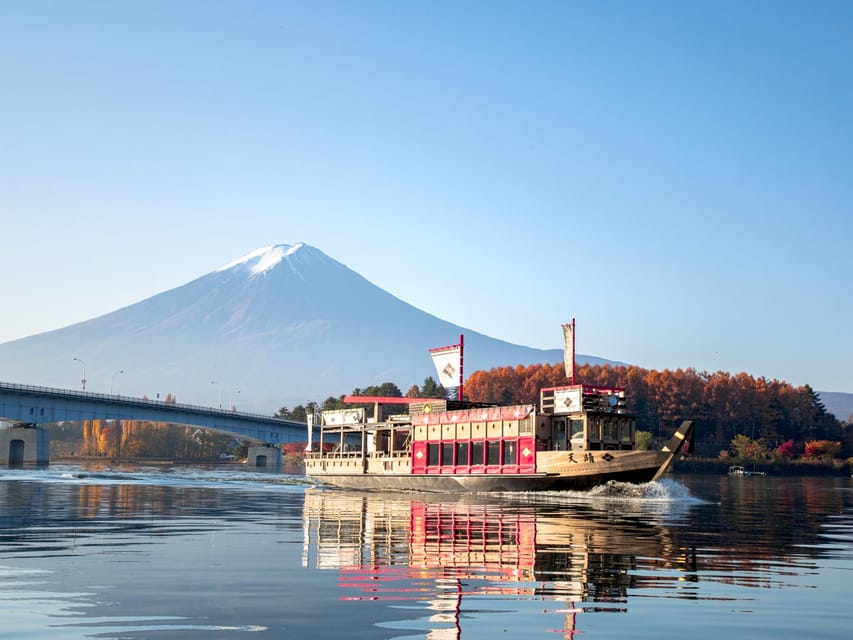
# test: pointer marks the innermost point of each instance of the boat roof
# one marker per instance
(388, 400)
(588, 388)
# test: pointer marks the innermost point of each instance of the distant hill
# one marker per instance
(280, 326)
(838, 404)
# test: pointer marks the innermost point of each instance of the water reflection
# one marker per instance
(208, 553)
(54, 516)
(455, 555)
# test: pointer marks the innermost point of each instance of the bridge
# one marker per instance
(27, 407)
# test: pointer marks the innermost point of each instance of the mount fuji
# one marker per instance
(281, 326)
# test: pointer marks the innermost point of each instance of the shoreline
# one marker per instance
(721, 467)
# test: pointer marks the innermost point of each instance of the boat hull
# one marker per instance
(456, 483)
(554, 470)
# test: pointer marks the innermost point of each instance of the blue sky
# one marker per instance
(675, 175)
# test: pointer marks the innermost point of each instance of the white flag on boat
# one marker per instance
(448, 362)
(569, 350)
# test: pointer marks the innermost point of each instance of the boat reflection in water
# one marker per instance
(460, 561)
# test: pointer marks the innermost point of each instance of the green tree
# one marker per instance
(300, 413)
(739, 445)
(826, 425)
(385, 390)
(643, 440)
(333, 403)
(745, 449)
(431, 389)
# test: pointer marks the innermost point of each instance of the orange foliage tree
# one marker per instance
(722, 405)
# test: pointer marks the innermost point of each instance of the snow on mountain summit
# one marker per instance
(265, 258)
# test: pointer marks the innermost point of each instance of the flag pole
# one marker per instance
(573, 351)
(461, 363)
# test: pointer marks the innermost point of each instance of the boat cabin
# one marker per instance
(585, 418)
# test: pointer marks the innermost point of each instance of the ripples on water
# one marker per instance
(222, 552)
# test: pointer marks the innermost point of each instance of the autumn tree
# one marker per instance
(822, 449)
(788, 450)
(722, 405)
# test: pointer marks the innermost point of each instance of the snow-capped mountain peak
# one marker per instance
(263, 259)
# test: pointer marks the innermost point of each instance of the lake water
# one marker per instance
(226, 553)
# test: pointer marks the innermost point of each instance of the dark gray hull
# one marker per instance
(481, 483)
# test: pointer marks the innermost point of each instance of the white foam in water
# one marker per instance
(662, 491)
(665, 499)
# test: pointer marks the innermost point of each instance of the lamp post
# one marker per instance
(83, 381)
(219, 388)
(233, 397)
(112, 379)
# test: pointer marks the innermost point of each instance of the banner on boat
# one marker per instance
(448, 362)
(569, 350)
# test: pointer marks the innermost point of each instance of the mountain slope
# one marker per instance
(838, 404)
(280, 326)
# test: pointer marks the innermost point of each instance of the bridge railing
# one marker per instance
(133, 401)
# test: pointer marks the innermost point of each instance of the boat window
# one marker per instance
(432, 454)
(577, 428)
(462, 454)
(609, 429)
(594, 432)
(510, 453)
(478, 452)
(447, 453)
(493, 448)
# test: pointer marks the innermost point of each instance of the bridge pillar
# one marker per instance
(24, 445)
(266, 455)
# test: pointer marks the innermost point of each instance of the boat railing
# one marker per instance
(386, 454)
(353, 455)
(333, 454)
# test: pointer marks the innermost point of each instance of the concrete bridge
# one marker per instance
(27, 407)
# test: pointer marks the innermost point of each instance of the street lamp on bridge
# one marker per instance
(219, 388)
(83, 381)
(112, 379)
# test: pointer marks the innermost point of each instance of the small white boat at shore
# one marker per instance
(738, 470)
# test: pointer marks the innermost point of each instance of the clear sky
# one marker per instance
(678, 176)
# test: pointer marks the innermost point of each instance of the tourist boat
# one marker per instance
(578, 436)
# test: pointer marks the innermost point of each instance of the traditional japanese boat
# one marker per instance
(577, 437)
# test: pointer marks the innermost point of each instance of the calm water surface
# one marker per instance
(225, 553)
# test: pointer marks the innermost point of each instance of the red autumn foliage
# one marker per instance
(788, 449)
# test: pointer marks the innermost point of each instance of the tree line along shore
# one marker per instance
(770, 425)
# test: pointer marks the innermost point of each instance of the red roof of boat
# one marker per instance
(388, 400)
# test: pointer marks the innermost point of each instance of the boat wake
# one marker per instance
(661, 500)
(661, 490)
